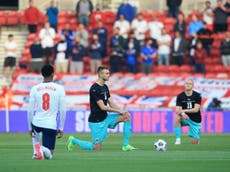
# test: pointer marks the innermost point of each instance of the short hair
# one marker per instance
(101, 68)
(47, 70)
(189, 80)
(10, 35)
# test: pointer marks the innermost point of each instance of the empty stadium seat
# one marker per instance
(26, 54)
(186, 69)
(161, 68)
(31, 37)
(174, 68)
(28, 44)
(13, 18)
(215, 52)
(3, 16)
(64, 14)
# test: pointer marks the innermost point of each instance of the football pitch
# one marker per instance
(211, 155)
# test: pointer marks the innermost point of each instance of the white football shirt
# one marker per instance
(46, 99)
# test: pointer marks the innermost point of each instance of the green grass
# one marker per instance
(212, 155)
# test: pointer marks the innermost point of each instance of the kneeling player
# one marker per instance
(188, 113)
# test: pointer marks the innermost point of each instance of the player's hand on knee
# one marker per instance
(126, 116)
(184, 115)
(60, 134)
(31, 133)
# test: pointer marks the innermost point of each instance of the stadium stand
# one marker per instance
(214, 67)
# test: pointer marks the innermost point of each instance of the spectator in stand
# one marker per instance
(199, 56)
(32, 17)
(155, 27)
(117, 36)
(127, 10)
(227, 6)
(52, 13)
(173, 7)
(148, 54)
(84, 9)
(36, 61)
(195, 25)
(95, 54)
(206, 37)
(132, 39)
(140, 27)
(131, 55)
(192, 47)
(76, 57)
(215, 104)
(225, 49)
(124, 26)
(208, 15)
(61, 62)
(83, 34)
(221, 17)
(116, 56)
(164, 44)
(97, 7)
(180, 25)
(102, 33)
(47, 35)
(10, 48)
(178, 49)
(69, 36)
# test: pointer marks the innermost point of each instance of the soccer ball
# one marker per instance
(160, 145)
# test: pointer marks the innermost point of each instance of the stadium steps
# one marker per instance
(20, 37)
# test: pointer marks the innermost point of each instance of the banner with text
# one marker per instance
(160, 121)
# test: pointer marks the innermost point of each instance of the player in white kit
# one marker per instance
(46, 100)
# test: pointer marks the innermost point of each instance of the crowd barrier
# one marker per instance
(159, 121)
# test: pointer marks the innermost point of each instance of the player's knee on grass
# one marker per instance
(97, 147)
(195, 141)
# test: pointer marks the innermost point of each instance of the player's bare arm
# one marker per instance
(102, 106)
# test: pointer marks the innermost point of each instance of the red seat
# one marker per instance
(174, 69)
(62, 20)
(156, 13)
(3, 16)
(43, 17)
(13, 18)
(31, 37)
(63, 14)
(219, 69)
(161, 69)
(22, 18)
(186, 69)
(210, 75)
(86, 60)
(215, 52)
(209, 69)
(26, 54)
(28, 44)
(169, 21)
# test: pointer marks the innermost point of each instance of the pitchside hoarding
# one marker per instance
(142, 122)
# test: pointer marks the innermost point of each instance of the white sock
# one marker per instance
(46, 152)
(33, 143)
(35, 139)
